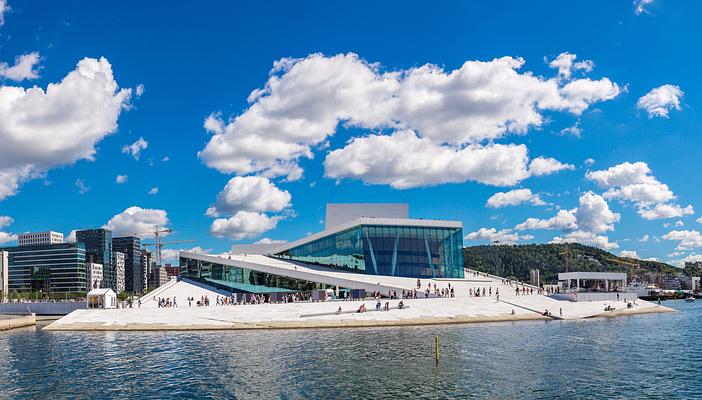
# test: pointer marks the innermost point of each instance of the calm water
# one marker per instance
(651, 356)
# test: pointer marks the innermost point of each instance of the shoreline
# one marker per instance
(8, 322)
(209, 320)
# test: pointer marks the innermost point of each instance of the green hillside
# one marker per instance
(549, 259)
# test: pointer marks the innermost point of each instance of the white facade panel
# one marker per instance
(338, 214)
(40, 238)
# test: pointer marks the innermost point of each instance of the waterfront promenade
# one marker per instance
(8, 322)
(421, 311)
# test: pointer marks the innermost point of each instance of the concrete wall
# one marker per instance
(60, 308)
(16, 321)
(584, 296)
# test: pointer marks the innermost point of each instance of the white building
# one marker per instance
(118, 266)
(93, 275)
(102, 298)
(4, 261)
(40, 238)
(147, 261)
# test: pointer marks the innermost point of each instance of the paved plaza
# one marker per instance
(461, 309)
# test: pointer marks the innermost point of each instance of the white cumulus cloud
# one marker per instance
(563, 220)
(586, 238)
(41, 129)
(121, 179)
(504, 236)
(135, 148)
(686, 239)
(243, 224)
(6, 237)
(546, 166)
(513, 198)
(71, 237)
(137, 221)
(249, 193)
(5, 221)
(629, 254)
(659, 101)
(24, 68)
(583, 224)
(305, 100)
(405, 160)
(565, 64)
(172, 254)
(635, 182)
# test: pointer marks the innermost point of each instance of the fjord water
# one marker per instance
(646, 356)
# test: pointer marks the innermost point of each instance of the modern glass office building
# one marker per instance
(98, 249)
(134, 272)
(50, 269)
(424, 249)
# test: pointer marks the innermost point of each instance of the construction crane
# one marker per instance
(567, 253)
(157, 233)
(614, 260)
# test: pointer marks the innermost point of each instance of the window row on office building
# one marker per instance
(44, 263)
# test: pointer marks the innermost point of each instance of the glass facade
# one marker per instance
(98, 249)
(242, 280)
(393, 250)
(57, 268)
(134, 275)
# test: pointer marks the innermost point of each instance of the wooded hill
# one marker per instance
(517, 260)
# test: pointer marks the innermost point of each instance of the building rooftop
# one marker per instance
(431, 223)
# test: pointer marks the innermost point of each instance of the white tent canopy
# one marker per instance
(102, 298)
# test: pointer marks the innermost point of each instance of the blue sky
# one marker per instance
(395, 82)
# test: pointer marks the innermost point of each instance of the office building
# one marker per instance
(98, 249)
(147, 265)
(130, 246)
(381, 240)
(4, 263)
(119, 271)
(49, 269)
(94, 275)
(157, 277)
(40, 238)
(172, 270)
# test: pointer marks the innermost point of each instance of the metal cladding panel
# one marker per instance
(338, 214)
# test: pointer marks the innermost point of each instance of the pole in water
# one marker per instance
(436, 343)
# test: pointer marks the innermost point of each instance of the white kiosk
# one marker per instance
(102, 298)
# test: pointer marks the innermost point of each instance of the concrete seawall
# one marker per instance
(16, 321)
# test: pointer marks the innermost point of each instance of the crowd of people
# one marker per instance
(429, 289)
